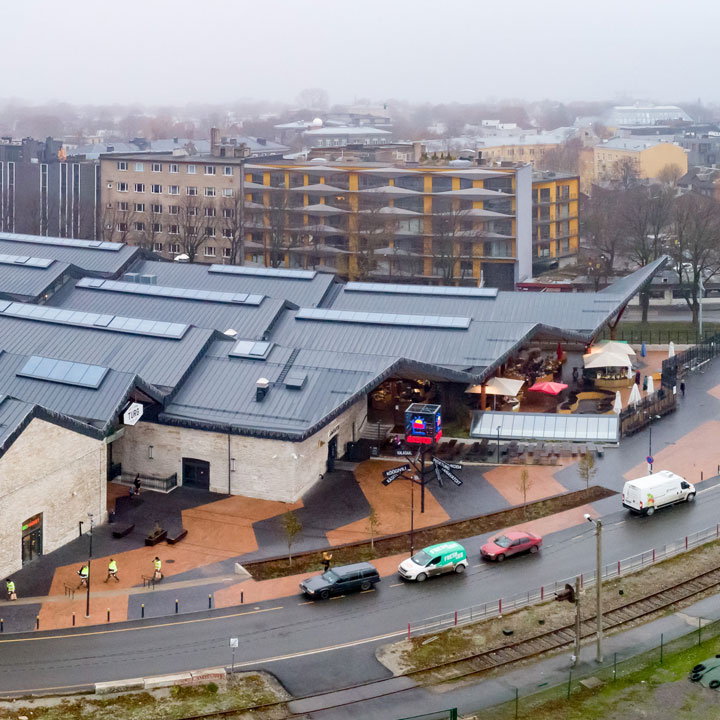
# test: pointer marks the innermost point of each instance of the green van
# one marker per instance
(434, 560)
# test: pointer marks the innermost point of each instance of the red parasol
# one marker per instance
(549, 388)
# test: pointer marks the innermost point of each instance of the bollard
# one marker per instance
(142, 610)
(2, 625)
(618, 568)
(176, 606)
(108, 615)
(408, 631)
(686, 543)
(582, 580)
(653, 554)
(615, 666)
(542, 592)
(242, 597)
(456, 617)
(73, 619)
(209, 602)
(701, 476)
(500, 607)
(37, 622)
(661, 647)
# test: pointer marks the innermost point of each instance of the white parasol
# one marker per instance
(617, 405)
(634, 395)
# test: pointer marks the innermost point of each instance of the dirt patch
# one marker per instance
(415, 654)
(396, 544)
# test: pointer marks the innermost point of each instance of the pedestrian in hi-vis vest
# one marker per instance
(112, 571)
(83, 572)
(157, 575)
(10, 585)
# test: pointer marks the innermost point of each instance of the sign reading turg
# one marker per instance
(133, 414)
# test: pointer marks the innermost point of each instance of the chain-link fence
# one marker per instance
(522, 702)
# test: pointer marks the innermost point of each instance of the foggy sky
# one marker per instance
(163, 52)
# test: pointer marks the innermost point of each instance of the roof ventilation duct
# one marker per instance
(261, 389)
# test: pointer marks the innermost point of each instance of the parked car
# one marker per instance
(509, 543)
(434, 560)
(647, 494)
(341, 580)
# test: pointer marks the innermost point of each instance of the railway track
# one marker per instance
(546, 642)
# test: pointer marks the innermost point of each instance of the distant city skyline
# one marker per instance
(173, 53)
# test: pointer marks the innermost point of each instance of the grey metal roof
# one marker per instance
(100, 258)
(14, 414)
(308, 293)
(28, 283)
(162, 362)
(250, 321)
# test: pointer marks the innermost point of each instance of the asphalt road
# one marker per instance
(318, 646)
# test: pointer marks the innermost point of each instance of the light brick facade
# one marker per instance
(54, 471)
(263, 468)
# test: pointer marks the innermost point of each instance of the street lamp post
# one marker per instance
(598, 585)
(87, 597)
(497, 429)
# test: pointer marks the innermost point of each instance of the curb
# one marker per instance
(194, 677)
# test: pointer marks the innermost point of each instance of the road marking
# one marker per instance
(362, 592)
(309, 602)
(141, 627)
(397, 584)
(337, 597)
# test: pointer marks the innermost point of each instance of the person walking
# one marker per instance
(327, 557)
(112, 571)
(83, 572)
(10, 586)
(682, 387)
(157, 575)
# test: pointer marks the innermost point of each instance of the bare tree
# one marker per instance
(278, 228)
(116, 225)
(696, 252)
(291, 528)
(669, 175)
(586, 468)
(625, 172)
(563, 158)
(232, 227)
(151, 228)
(191, 225)
(600, 226)
(454, 235)
(313, 98)
(376, 230)
(524, 484)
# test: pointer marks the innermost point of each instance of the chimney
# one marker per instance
(214, 141)
(261, 389)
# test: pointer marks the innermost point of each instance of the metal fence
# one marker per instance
(654, 335)
(688, 360)
(484, 611)
(635, 417)
(162, 484)
(449, 714)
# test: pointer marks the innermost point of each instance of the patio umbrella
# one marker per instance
(606, 359)
(671, 349)
(617, 405)
(651, 385)
(634, 395)
(613, 346)
(630, 373)
(498, 386)
(643, 349)
(549, 388)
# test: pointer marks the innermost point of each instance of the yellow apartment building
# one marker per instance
(649, 157)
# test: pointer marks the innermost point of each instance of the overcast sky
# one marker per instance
(180, 51)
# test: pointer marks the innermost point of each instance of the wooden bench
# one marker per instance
(122, 530)
(155, 538)
(172, 540)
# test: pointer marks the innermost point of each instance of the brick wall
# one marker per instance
(53, 471)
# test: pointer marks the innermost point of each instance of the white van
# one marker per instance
(646, 494)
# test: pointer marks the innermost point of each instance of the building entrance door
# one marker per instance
(196, 473)
(332, 453)
(32, 538)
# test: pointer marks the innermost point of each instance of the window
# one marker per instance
(156, 208)
(210, 212)
(174, 248)
(157, 189)
(140, 207)
(139, 187)
(209, 252)
(227, 170)
(122, 165)
(157, 227)
(157, 167)
(228, 213)
(209, 231)
(227, 253)
(192, 169)
(209, 192)
(158, 247)
(140, 226)
(191, 190)
(173, 230)
(122, 227)
(139, 167)
(209, 169)
(122, 206)
(122, 187)
(227, 192)
(173, 189)
(192, 211)
(227, 233)
(173, 210)
(173, 167)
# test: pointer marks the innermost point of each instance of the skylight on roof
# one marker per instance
(366, 318)
(25, 261)
(136, 326)
(252, 349)
(442, 291)
(63, 371)
(61, 242)
(132, 288)
(263, 272)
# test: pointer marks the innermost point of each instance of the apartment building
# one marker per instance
(648, 156)
(555, 225)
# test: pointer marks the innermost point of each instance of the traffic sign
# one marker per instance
(234, 642)
(452, 476)
(650, 459)
(447, 465)
(402, 452)
(392, 472)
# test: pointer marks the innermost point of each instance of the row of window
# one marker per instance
(140, 227)
(174, 249)
(122, 165)
(174, 209)
(191, 190)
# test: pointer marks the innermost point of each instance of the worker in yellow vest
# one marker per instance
(112, 571)
(84, 573)
(10, 585)
(157, 575)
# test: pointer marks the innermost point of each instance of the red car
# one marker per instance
(510, 543)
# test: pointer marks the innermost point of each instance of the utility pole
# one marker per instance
(87, 597)
(598, 585)
(577, 621)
